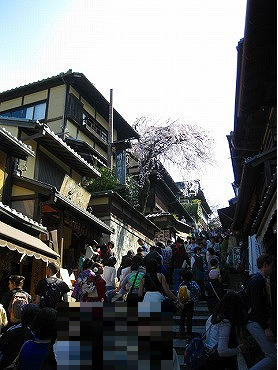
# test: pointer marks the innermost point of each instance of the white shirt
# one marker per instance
(109, 275)
(218, 335)
(89, 252)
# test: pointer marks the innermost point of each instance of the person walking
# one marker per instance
(259, 314)
(178, 258)
(154, 285)
(109, 275)
(131, 282)
(187, 308)
(51, 290)
(197, 268)
(83, 287)
(215, 290)
(223, 328)
(12, 299)
(143, 245)
(13, 339)
(33, 352)
(99, 283)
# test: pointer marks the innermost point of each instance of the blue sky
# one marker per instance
(162, 58)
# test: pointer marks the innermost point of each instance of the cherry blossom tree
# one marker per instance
(174, 144)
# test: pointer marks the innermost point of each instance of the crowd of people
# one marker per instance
(183, 273)
(29, 329)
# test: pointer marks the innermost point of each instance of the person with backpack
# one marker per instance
(198, 272)
(15, 299)
(51, 290)
(223, 328)
(34, 352)
(260, 315)
(13, 339)
(188, 294)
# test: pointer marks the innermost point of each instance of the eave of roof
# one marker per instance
(84, 148)
(178, 206)
(81, 84)
(60, 199)
(248, 183)
(226, 216)
(113, 194)
(171, 221)
(62, 202)
(21, 219)
(44, 136)
(270, 198)
(13, 146)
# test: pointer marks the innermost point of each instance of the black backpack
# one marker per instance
(52, 292)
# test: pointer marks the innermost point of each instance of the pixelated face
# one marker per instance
(110, 335)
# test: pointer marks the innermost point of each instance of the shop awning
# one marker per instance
(24, 243)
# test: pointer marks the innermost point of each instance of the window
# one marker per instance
(89, 121)
(33, 112)
(49, 172)
(75, 109)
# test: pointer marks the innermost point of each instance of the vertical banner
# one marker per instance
(121, 166)
(255, 250)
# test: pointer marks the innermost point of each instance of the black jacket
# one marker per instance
(258, 300)
(212, 300)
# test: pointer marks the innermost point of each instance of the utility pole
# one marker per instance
(110, 133)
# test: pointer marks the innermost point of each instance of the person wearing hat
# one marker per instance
(215, 289)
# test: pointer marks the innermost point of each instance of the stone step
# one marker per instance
(200, 316)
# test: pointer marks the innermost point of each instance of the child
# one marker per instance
(188, 306)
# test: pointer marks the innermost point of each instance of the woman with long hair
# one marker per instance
(154, 284)
(223, 329)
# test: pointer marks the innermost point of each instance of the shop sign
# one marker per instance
(75, 193)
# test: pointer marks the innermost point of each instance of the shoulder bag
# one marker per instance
(132, 297)
(214, 291)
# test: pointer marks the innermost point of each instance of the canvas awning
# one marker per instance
(24, 243)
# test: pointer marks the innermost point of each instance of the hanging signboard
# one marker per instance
(74, 192)
(255, 250)
(121, 166)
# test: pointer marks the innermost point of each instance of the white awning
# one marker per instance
(24, 243)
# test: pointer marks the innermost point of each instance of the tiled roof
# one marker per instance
(22, 217)
(66, 146)
(12, 142)
(48, 79)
